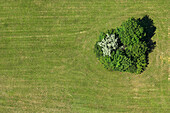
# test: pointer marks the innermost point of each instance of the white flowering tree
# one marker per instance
(108, 44)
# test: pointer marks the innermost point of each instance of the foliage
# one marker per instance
(120, 62)
(141, 63)
(126, 47)
(130, 32)
(149, 29)
(108, 44)
(136, 50)
(98, 50)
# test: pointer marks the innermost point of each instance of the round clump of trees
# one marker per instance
(126, 48)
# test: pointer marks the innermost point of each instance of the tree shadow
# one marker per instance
(149, 29)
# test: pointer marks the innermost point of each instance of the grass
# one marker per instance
(47, 62)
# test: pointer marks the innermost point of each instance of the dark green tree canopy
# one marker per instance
(126, 48)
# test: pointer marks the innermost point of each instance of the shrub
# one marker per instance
(130, 32)
(120, 62)
(141, 63)
(108, 44)
(136, 50)
(98, 50)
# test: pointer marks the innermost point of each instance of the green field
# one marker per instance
(47, 63)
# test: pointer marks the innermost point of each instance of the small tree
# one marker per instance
(108, 44)
(130, 32)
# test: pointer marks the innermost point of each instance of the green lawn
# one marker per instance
(47, 62)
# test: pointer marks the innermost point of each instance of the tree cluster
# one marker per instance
(126, 48)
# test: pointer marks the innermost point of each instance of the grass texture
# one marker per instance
(47, 62)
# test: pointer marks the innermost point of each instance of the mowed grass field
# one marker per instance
(47, 62)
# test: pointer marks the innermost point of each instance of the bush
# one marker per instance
(130, 32)
(126, 47)
(108, 44)
(120, 62)
(98, 50)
